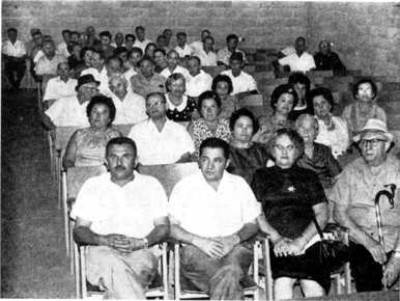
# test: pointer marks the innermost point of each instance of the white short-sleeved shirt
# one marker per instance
(242, 83)
(102, 77)
(179, 69)
(129, 210)
(201, 210)
(16, 50)
(46, 66)
(303, 63)
(67, 111)
(206, 59)
(198, 84)
(132, 109)
(186, 50)
(196, 45)
(57, 88)
(62, 49)
(141, 44)
(165, 147)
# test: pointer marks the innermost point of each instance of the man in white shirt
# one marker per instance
(130, 107)
(134, 57)
(61, 86)
(118, 40)
(197, 45)
(213, 213)
(183, 48)
(122, 217)
(62, 48)
(71, 111)
(158, 139)
(141, 41)
(198, 81)
(243, 83)
(206, 53)
(14, 54)
(173, 67)
(47, 64)
(301, 60)
(225, 53)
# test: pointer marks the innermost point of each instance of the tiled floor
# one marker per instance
(33, 258)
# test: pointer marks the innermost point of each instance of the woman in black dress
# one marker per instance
(291, 196)
(245, 156)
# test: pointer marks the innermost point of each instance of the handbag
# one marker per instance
(330, 253)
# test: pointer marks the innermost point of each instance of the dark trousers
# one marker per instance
(367, 273)
(14, 70)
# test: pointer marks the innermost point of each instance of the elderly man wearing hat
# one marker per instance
(71, 111)
(374, 235)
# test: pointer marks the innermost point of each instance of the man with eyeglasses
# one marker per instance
(374, 264)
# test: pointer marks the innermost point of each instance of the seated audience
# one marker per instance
(34, 50)
(75, 61)
(97, 67)
(32, 43)
(150, 49)
(245, 156)
(13, 55)
(301, 84)
(173, 67)
(71, 111)
(61, 86)
(197, 45)
(316, 157)
(86, 55)
(141, 40)
(198, 81)
(332, 130)
(167, 33)
(243, 83)
(160, 140)
(181, 108)
(118, 40)
(364, 107)
(222, 85)
(47, 64)
(121, 216)
(131, 107)
(134, 57)
(183, 48)
(326, 59)
(130, 41)
(146, 81)
(209, 125)
(283, 99)
(122, 53)
(62, 48)
(106, 48)
(224, 54)
(161, 43)
(374, 262)
(87, 146)
(213, 214)
(206, 53)
(76, 37)
(301, 60)
(160, 58)
(291, 198)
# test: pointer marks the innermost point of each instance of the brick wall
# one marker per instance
(365, 35)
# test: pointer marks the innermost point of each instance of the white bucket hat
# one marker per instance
(374, 128)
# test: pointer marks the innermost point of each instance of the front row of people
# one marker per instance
(122, 216)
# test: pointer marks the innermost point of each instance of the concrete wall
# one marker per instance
(365, 35)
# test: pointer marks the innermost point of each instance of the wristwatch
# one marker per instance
(145, 243)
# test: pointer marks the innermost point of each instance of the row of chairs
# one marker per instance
(169, 265)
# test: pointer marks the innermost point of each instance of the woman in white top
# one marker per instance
(333, 130)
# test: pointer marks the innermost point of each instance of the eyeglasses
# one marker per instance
(373, 142)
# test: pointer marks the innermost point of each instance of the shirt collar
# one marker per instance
(179, 108)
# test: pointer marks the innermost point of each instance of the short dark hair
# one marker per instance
(209, 37)
(181, 33)
(148, 46)
(72, 45)
(301, 78)
(292, 135)
(105, 33)
(75, 32)
(135, 50)
(194, 57)
(12, 29)
(173, 77)
(146, 58)
(222, 78)
(129, 35)
(65, 31)
(84, 49)
(232, 36)
(325, 93)
(120, 141)
(100, 53)
(101, 99)
(214, 142)
(208, 95)
(243, 112)
(160, 50)
(140, 27)
(161, 36)
(114, 58)
(236, 56)
(300, 38)
(365, 81)
(117, 51)
(282, 89)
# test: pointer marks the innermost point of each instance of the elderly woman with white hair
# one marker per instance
(131, 107)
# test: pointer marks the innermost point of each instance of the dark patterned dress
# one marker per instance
(189, 105)
(287, 197)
